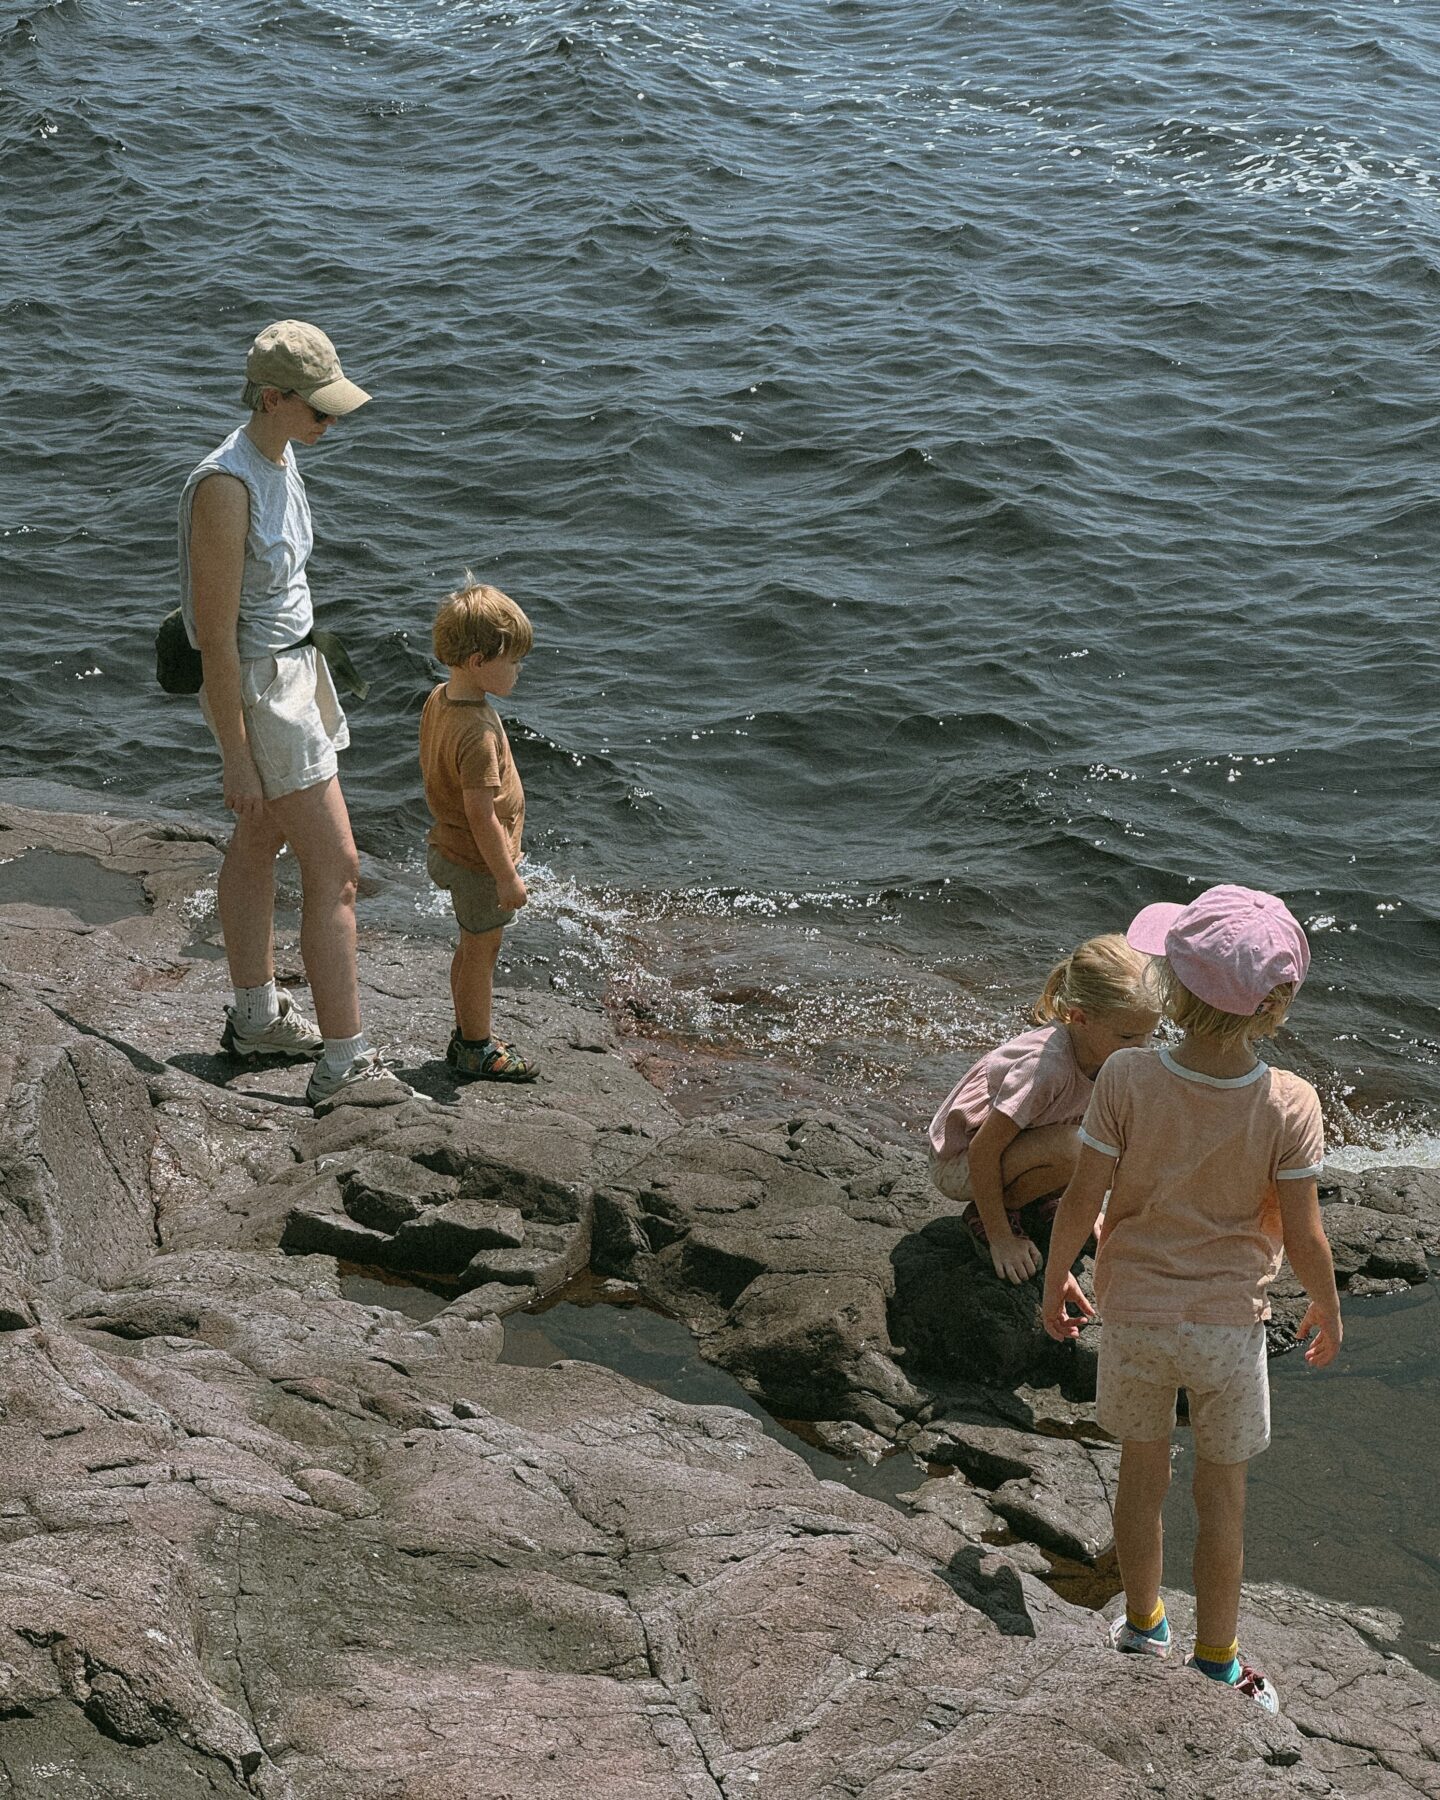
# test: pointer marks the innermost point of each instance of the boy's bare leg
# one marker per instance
(245, 897)
(1139, 1527)
(317, 828)
(1219, 1490)
(472, 981)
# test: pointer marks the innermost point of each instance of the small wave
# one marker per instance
(1398, 1147)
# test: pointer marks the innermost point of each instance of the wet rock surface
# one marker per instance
(256, 1539)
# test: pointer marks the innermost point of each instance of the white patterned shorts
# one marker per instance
(951, 1175)
(293, 718)
(1222, 1369)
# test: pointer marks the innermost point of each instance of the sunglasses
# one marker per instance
(320, 418)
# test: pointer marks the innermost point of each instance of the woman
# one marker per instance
(268, 697)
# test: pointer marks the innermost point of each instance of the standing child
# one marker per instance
(473, 790)
(1211, 1159)
(1005, 1138)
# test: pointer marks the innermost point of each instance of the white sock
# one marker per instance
(341, 1052)
(257, 1007)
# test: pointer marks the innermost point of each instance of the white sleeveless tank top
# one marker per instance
(275, 608)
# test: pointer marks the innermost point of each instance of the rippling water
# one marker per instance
(971, 468)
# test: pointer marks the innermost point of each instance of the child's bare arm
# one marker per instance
(494, 847)
(1074, 1222)
(1015, 1259)
(1309, 1252)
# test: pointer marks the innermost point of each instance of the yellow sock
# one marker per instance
(1150, 1621)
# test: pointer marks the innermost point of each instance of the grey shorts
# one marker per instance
(1222, 1368)
(472, 893)
(293, 719)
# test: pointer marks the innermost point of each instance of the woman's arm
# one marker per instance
(219, 520)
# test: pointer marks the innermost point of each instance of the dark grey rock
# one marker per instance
(17, 1303)
(446, 1237)
(256, 1540)
(953, 1321)
(1058, 1492)
(775, 1244)
(1410, 1195)
(385, 1191)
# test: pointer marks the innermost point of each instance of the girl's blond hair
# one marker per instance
(1103, 976)
(477, 620)
(1199, 1019)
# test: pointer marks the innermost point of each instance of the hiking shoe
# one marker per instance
(289, 1033)
(1125, 1638)
(494, 1061)
(368, 1081)
(1255, 1686)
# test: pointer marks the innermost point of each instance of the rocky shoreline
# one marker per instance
(258, 1539)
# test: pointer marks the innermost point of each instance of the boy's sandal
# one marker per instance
(502, 1062)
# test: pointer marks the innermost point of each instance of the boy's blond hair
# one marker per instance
(477, 620)
(1200, 1019)
(1103, 976)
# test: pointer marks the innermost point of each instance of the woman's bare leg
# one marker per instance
(317, 827)
(245, 898)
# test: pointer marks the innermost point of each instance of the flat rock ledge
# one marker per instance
(257, 1539)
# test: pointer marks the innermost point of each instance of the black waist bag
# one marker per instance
(179, 670)
(177, 662)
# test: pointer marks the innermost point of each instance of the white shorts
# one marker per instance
(1222, 1368)
(293, 719)
(951, 1175)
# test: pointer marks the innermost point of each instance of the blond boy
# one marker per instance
(473, 790)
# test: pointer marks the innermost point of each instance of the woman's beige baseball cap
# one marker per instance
(299, 358)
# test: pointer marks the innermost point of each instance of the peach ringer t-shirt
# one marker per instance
(1192, 1228)
(1034, 1080)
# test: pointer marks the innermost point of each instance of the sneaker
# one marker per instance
(1125, 1638)
(1255, 1686)
(289, 1033)
(1259, 1688)
(368, 1081)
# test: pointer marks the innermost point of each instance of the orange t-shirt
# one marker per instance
(1192, 1228)
(463, 745)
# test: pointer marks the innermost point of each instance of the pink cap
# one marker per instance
(1230, 946)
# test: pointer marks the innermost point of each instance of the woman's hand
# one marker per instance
(510, 891)
(244, 794)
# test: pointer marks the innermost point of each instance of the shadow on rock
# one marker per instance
(220, 1071)
(983, 1579)
(952, 1320)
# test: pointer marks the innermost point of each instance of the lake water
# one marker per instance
(971, 469)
